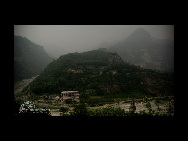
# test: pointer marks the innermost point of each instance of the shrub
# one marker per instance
(64, 111)
(79, 110)
(108, 111)
(68, 101)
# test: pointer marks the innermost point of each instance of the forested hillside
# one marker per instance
(29, 59)
(100, 73)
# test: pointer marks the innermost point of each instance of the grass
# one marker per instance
(91, 101)
(94, 101)
(133, 94)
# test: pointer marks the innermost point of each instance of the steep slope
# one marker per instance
(99, 73)
(29, 59)
(140, 48)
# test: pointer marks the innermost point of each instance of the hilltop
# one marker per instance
(100, 73)
(143, 50)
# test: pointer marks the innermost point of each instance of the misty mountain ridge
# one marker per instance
(142, 35)
(140, 48)
(139, 35)
(29, 58)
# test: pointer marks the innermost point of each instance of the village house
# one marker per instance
(75, 71)
(74, 95)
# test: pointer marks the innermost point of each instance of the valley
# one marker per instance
(18, 86)
(133, 76)
(92, 102)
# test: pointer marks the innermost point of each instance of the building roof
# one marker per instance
(65, 92)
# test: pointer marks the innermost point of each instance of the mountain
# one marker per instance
(140, 48)
(99, 72)
(29, 59)
(140, 35)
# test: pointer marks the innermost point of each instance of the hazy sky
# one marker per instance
(78, 38)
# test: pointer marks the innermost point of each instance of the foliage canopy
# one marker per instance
(100, 73)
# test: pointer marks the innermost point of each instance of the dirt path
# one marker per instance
(18, 86)
(54, 112)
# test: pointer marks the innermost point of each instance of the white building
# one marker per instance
(74, 95)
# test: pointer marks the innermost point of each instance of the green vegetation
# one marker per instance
(93, 102)
(68, 101)
(132, 107)
(29, 59)
(82, 110)
(102, 74)
(79, 110)
(108, 111)
(64, 111)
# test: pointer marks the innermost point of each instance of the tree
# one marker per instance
(64, 111)
(157, 102)
(79, 110)
(68, 101)
(132, 108)
(170, 108)
(117, 100)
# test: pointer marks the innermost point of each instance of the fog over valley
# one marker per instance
(93, 70)
(62, 39)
